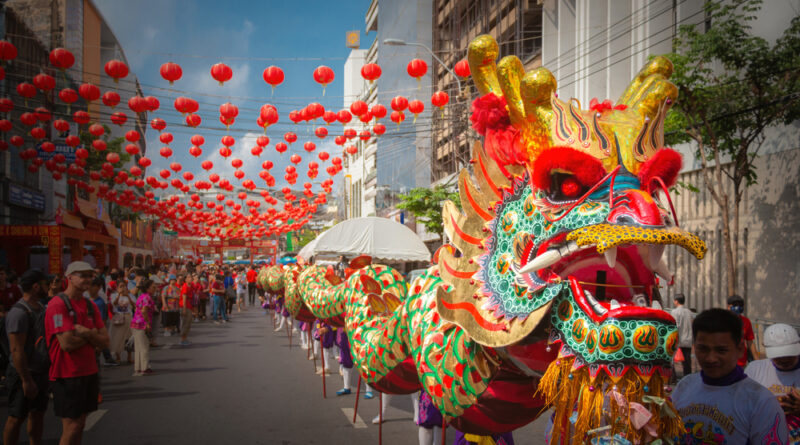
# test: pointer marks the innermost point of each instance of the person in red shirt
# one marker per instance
(72, 337)
(736, 305)
(251, 285)
(9, 293)
(185, 304)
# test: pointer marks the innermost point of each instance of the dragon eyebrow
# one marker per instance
(582, 198)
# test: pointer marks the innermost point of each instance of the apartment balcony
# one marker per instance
(371, 19)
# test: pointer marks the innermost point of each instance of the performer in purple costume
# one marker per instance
(325, 335)
(345, 361)
(499, 439)
(429, 420)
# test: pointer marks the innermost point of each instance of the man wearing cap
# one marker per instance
(780, 372)
(72, 337)
(26, 378)
(736, 305)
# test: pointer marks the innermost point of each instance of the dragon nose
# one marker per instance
(635, 206)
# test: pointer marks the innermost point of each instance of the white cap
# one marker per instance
(781, 340)
(78, 266)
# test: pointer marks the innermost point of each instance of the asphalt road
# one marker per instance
(239, 383)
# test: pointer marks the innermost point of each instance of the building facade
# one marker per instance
(517, 27)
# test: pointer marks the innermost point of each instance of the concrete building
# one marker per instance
(359, 173)
(594, 49)
(517, 27)
(78, 223)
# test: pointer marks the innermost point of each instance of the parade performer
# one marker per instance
(548, 295)
(345, 362)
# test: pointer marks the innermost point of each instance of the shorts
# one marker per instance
(18, 405)
(241, 296)
(75, 396)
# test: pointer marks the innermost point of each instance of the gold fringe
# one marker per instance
(566, 390)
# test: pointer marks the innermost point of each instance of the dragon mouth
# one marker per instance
(612, 269)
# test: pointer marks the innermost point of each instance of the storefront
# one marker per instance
(136, 240)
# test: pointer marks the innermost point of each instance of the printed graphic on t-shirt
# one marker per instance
(711, 430)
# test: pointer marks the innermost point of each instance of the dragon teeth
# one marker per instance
(611, 257)
(614, 304)
(549, 258)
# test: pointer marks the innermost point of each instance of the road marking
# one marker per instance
(348, 412)
(93, 418)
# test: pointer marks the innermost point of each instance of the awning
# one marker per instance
(112, 230)
(71, 220)
(380, 238)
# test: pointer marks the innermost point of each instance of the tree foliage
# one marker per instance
(733, 85)
(426, 205)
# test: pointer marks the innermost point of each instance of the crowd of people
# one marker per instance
(57, 332)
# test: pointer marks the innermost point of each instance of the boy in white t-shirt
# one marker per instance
(780, 373)
(720, 404)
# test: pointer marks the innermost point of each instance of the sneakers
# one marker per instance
(377, 420)
(111, 364)
(137, 374)
(327, 372)
(343, 392)
(369, 395)
(185, 343)
(148, 371)
(217, 322)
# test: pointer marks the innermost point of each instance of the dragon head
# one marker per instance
(561, 242)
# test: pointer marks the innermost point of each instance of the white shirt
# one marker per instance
(779, 383)
(741, 413)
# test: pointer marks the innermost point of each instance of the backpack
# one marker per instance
(89, 307)
(39, 360)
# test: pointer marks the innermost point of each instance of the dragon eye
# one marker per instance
(565, 187)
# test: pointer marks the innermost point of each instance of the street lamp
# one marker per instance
(398, 42)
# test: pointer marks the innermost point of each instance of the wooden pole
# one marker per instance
(289, 333)
(322, 362)
(308, 343)
(358, 393)
(380, 418)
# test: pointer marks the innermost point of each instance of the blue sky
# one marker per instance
(242, 34)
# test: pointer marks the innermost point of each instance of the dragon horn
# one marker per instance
(650, 88)
(482, 53)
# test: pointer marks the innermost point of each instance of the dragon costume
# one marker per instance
(548, 295)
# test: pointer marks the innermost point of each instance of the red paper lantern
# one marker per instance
(207, 165)
(119, 118)
(462, 68)
(26, 90)
(171, 72)
(323, 75)
(89, 92)
(225, 152)
(350, 133)
(321, 132)
(7, 51)
(269, 114)
(38, 133)
(59, 124)
(309, 146)
(145, 162)
(340, 140)
(132, 136)
(42, 114)
(221, 73)
(323, 156)
(6, 105)
(273, 76)
(417, 68)
(295, 159)
(44, 82)
(371, 72)
(165, 138)
(176, 167)
(329, 117)
(366, 117)
(399, 103)
(165, 152)
(62, 58)
(397, 117)
(132, 149)
(116, 69)
(280, 147)
(228, 141)
(358, 108)
(111, 99)
(152, 103)
(112, 158)
(440, 99)
(99, 145)
(236, 163)
(262, 141)
(267, 165)
(193, 120)
(158, 124)
(81, 117)
(137, 104)
(228, 110)
(365, 135)
(165, 173)
(351, 150)
(378, 111)
(290, 137)
(197, 140)
(16, 140)
(379, 129)
(195, 151)
(72, 140)
(256, 151)
(68, 95)
(416, 107)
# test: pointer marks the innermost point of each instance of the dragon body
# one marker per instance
(548, 295)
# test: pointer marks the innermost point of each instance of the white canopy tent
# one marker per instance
(377, 237)
(308, 250)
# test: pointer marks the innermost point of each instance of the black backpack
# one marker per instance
(89, 307)
(39, 361)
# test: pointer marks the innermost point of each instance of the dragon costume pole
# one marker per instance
(322, 363)
(380, 418)
(358, 394)
(289, 333)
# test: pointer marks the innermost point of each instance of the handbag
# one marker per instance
(129, 344)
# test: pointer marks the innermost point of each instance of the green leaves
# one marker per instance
(426, 205)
